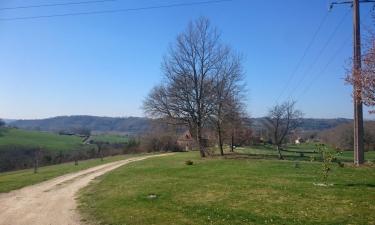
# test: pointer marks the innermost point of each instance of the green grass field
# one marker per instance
(21, 178)
(110, 138)
(51, 141)
(268, 151)
(229, 191)
(45, 140)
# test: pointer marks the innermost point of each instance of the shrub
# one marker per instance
(155, 143)
(189, 162)
(328, 157)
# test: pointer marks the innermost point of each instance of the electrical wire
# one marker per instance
(291, 76)
(56, 4)
(332, 58)
(316, 59)
(116, 10)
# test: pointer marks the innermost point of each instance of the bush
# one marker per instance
(156, 143)
(189, 162)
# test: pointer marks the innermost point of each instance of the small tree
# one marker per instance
(236, 123)
(77, 156)
(281, 121)
(100, 146)
(328, 157)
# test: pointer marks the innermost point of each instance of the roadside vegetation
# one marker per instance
(229, 191)
(17, 179)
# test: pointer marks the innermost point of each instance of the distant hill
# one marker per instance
(129, 125)
(140, 125)
(308, 124)
(8, 121)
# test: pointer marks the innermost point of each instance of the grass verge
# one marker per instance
(232, 191)
(17, 179)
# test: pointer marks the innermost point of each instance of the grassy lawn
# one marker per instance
(21, 178)
(268, 151)
(48, 141)
(230, 191)
(111, 138)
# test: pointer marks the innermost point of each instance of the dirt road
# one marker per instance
(52, 202)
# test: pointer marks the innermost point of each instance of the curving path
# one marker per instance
(52, 202)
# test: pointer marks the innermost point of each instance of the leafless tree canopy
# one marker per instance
(368, 74)
(200, 73)
(366, 82)
(282, 120)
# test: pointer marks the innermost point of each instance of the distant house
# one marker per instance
(186, 141)
(299, 141)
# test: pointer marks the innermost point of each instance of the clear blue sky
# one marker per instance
(106, 64)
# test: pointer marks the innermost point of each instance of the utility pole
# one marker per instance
(359, 153)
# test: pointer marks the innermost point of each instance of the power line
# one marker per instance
(316, 59)
(115, 10)
(333, 57)
(56, 4)
(307, 88)
(291, 76)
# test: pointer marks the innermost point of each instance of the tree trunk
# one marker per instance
(200, 141)
(100, 151)
(36, 161)
(101, 155)
(279, 152)
(232, 142)
(220, 140)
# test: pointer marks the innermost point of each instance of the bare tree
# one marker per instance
(234, 120)
(100, 145)
(190, 68)
(228, 89)
(282, 120)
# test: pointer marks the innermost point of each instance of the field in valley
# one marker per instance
(51, 141)
(33, 139)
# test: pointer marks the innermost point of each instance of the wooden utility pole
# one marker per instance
(359, 153)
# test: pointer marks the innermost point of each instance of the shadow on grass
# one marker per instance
(297, 157)
(360, 185)
(236, 155)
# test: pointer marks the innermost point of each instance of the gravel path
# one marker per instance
(52, 202)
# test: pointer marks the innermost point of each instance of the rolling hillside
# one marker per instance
(129, 125)
(32, 139)
(140, 125)
(308, 124)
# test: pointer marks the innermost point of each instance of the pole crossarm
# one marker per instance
(348, 2)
